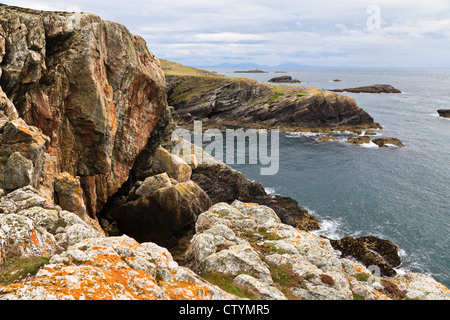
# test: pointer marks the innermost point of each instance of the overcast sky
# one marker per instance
(373, 33)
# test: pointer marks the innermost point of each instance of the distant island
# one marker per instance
(376, 88)
(250, 71)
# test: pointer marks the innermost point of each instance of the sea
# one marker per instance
(399, 194)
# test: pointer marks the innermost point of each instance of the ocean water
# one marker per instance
(400, 194)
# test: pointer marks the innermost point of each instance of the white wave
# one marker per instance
(270, 190)
(371, 144)
(436, 115)
(329, 229)
(301, 134)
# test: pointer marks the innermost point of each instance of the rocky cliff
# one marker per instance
(90, 190)
(92, 91)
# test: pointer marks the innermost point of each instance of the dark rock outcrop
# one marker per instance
(386, 141)
(359, 140)
(284, 79)
(444, 113)
(162, 215)
(376, 88)
(370, 251)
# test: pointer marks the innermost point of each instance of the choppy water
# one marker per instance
(400, 194)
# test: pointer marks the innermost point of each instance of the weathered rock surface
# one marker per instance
(284, 79)
(90, 85)
(359, 140)
(376, 88)
(370, 250)
(248, 243)
(114, 268)
(84, 264)
(31, 225)
(444, 113)
(386, 142)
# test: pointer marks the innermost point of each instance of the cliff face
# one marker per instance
(90, 86)
(245, 102)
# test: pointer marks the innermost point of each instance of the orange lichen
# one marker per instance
(33, 238)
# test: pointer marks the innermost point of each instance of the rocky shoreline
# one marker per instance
(92, 196)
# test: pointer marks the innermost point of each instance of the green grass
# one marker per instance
(18, 269)
(302, 94)
(357, 296)
(278, 91)
(225, 282)
(177, 69)
(3, 159)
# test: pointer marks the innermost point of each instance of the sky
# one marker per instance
(373, 33)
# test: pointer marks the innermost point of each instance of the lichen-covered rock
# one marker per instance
(422, 287)
(31, 225)
(174, 166)
(90, 85)
(70, 197)
(276, 261)
(151, 184)
(114, 268)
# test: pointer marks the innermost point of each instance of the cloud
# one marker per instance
(327, 32)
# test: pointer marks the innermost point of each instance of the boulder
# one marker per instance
(18, 172)
(174, 166)
(163, 215)
(386, 142)
(444, 113)
(152, 184)
(370, 133)
(358, 140)
(248, 242)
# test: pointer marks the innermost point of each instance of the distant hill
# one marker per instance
(285, 65)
